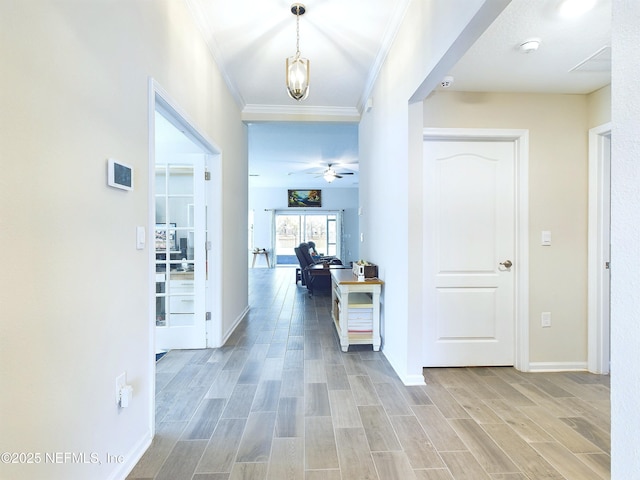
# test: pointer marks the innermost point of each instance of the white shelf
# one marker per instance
(360, 300)
(356, 311)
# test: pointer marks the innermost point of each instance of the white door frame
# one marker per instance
(160, 99)
(521, 143)
(598, 249)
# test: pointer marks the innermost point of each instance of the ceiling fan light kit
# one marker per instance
(330, 174)
(297, 67)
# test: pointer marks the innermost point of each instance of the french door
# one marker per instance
(180, 254)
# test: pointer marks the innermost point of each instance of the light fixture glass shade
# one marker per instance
(297, 77)
(329, 175)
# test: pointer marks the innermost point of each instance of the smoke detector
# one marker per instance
(529, 46)
(446, 81)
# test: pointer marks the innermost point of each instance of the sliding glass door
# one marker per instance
(291, 230)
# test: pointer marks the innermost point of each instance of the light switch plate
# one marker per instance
(546, 238)
(141, 238)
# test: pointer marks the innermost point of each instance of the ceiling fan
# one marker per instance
(330, 174)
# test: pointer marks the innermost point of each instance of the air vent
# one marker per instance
(598, 62)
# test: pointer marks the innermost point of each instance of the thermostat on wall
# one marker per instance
(119, 175)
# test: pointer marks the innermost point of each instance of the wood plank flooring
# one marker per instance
(281, 401)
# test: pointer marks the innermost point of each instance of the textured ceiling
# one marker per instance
(494, 63)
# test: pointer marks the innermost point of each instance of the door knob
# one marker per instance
(507, 264)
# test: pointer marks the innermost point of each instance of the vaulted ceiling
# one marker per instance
(346, 43)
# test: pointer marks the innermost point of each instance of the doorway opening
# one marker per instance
(184, 218)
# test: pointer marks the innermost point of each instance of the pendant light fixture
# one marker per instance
(297, 66)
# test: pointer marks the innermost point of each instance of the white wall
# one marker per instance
(558, 173)
(74, 310)
(390, 165)
(625, 238)
(263, 200)
(599, 107)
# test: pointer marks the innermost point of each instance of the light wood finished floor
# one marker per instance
(281, 401)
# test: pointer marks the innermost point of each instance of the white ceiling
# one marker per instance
(346, 43)
(494, 63)
(294, 155)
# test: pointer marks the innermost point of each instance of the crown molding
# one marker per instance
(300, 113)
(199, 18)
(393, 27)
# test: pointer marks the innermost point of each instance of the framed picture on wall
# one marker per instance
(304, 198)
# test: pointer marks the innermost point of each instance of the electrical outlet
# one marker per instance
(546, 319)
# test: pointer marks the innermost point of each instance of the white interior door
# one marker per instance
(469, 252)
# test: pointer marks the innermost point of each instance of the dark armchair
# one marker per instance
(306, 261)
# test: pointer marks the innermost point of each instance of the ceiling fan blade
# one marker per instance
(338, 176)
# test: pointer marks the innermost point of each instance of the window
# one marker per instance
(291, 230)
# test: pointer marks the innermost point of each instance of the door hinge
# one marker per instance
(207, 316)
(207, 176)
(607, 265)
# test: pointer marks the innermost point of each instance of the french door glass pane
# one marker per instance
(175, 292)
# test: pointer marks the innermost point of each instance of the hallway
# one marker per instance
(281, 401)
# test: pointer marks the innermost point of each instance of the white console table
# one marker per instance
(355, 309)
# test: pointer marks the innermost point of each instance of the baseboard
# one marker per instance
(237, 321)
(413, 380)
(132, 458)
(558, 367)
(407, 379)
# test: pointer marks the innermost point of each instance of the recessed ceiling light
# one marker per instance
(575, 8)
